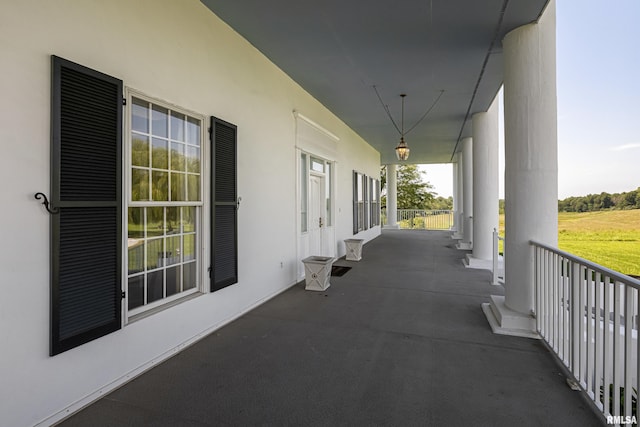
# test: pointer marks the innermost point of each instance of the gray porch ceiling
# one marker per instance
(338, 50)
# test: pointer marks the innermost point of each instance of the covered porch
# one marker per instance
(400, 339)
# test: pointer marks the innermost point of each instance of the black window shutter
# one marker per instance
(365, 207)
(224, 218)
(379, 202)
(355, 202)
(86, 166)
(372, 214)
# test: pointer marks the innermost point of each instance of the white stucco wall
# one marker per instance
(181, 53)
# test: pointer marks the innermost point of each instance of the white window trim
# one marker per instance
(201, 216)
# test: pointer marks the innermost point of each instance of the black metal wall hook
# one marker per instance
(46, 203)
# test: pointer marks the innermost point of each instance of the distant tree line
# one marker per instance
(602, 201)
(596, 202)
(416, 193)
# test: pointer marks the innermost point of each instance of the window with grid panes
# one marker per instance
(164, 204)
(360, 198)
(374, 216)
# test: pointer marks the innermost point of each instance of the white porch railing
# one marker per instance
(422, 219)
(498, 267)
(588, 315)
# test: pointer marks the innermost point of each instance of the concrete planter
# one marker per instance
(354, 249)
(317, 271)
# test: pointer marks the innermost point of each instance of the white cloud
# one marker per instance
(626, 147)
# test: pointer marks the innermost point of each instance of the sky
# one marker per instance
(598, 86)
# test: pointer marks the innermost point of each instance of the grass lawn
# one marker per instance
(608, 238)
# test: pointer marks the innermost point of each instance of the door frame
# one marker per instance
(328, 233)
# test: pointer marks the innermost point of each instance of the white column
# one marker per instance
(467, 194)
(392, 197)
(531, 167)
(485, 186)
(457, 197)
(454, 169)
(460, 196)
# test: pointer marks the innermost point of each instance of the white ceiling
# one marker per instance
(338, 50)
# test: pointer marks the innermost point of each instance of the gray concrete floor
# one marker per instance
(399, 340)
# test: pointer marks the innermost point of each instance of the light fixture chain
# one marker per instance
(402, 132)
(386, 108)
(427, 112)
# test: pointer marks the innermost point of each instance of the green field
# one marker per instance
(608, 238)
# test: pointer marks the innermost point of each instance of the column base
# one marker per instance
(456, 235)
(392, 227)
(505, 321)
(465, 246)
(481, 264)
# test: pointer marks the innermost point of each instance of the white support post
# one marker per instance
(467, 194)
(496, 251)
(392, 197)
(531, 167)
(458, 197)
(454, 170)
(485, 186)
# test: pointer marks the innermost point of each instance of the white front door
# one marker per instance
(316, 214)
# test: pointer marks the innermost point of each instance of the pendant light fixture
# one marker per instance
(402, 150)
